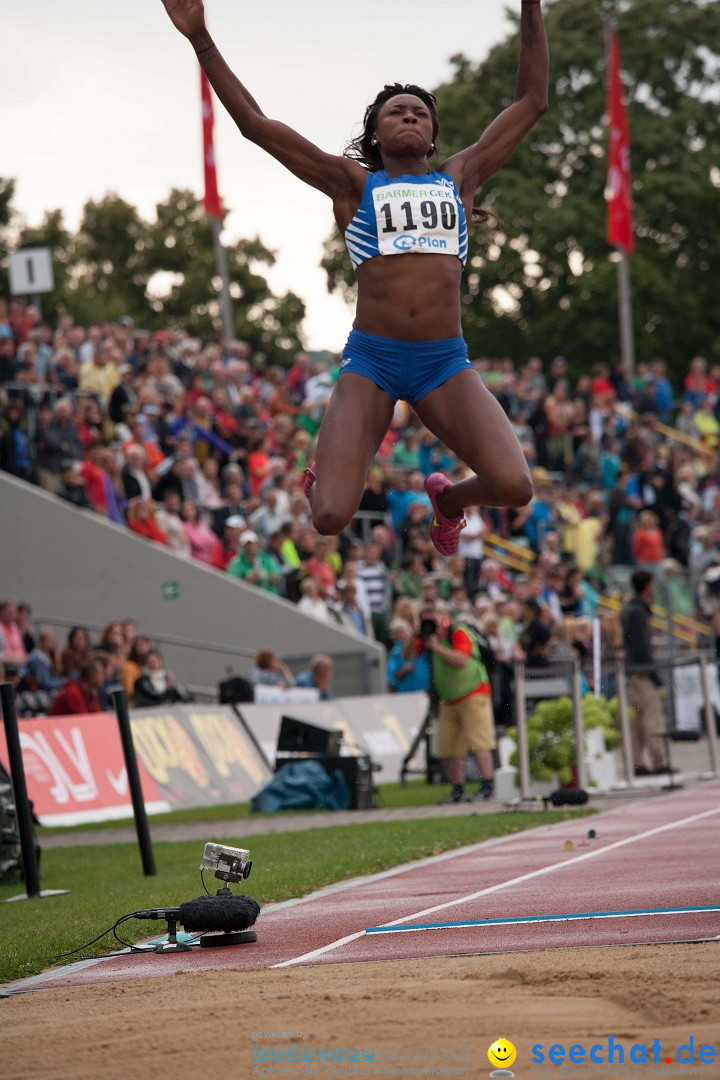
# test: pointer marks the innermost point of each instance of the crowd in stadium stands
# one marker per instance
(201, 448)
(78, 678)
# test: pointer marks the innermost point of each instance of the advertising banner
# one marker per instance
(75, 770)
(382, 726)
(198, 755)
(188, 755)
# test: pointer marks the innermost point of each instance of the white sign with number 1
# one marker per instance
(31, 272)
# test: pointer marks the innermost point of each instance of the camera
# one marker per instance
(428, 627)
(229, 863)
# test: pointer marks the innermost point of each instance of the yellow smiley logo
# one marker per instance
(502, 1053)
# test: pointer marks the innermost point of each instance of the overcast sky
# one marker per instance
(103, 97)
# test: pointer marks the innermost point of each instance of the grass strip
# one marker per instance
(395, 796)
(106, 881)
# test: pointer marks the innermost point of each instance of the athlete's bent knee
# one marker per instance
(518, 490)
(329, 522)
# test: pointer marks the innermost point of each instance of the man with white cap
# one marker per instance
(226, 547)
(254, 566)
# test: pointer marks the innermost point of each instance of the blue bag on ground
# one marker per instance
(303, 785)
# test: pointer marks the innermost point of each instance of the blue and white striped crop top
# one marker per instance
(408, 213)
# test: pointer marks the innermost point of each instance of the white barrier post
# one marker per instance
(709, 714)
(579, 726)
(597, 656)
(627, 752)
(521, 723)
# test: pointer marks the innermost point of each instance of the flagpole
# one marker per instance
(221, 265)
(625, 311)
(213, 207)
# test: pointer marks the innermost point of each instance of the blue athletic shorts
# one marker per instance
(405, 370)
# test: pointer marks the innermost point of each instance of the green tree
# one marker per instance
(160, 273)
(7, 190)
(178, 248)
(109, 276)
(542, 281)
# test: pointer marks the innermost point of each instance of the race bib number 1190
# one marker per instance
(419, 218)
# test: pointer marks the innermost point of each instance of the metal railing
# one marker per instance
(683, 628)
(565, 680)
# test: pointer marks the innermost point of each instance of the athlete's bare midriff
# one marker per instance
(409, 297)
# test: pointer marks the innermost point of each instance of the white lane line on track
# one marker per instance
(505, 884)
(319, 952)
(405, 868)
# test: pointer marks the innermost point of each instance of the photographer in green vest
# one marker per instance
(466, 723)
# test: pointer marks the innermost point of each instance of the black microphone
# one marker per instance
(209, 913)
(228, 913)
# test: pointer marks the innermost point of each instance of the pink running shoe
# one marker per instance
(444, 531)
(309, 480)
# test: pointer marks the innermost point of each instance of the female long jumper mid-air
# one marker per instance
(405, 227)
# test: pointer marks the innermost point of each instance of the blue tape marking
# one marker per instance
(521, 920)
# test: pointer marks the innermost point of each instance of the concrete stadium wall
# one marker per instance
(73, 566)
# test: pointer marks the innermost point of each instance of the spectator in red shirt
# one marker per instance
(647, 541)
(319, 568)
(224, 423)
(697, 383)
(297, 376)
(93, 474)
(226, 549)
(90, 429)
(601, 385)
(141, 520)
(82, 695)
(258, 465)
(22, 319)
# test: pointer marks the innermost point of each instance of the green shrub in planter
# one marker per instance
(551, 735)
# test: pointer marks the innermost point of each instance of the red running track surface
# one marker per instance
(661, 853)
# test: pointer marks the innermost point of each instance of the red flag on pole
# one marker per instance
(212, 199)
(619, 193)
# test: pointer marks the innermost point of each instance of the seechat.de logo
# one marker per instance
(614, 1052)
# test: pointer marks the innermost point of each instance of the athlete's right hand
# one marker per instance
(187, 15)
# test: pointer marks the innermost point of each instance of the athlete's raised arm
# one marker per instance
(333, 175)
(472, 166)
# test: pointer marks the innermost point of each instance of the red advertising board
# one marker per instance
(75, 770)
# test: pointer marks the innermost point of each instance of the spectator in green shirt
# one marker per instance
(406, 452)
(254, 566)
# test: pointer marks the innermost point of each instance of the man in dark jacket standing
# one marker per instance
(647, 720)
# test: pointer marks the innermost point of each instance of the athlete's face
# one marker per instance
(404, 124)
